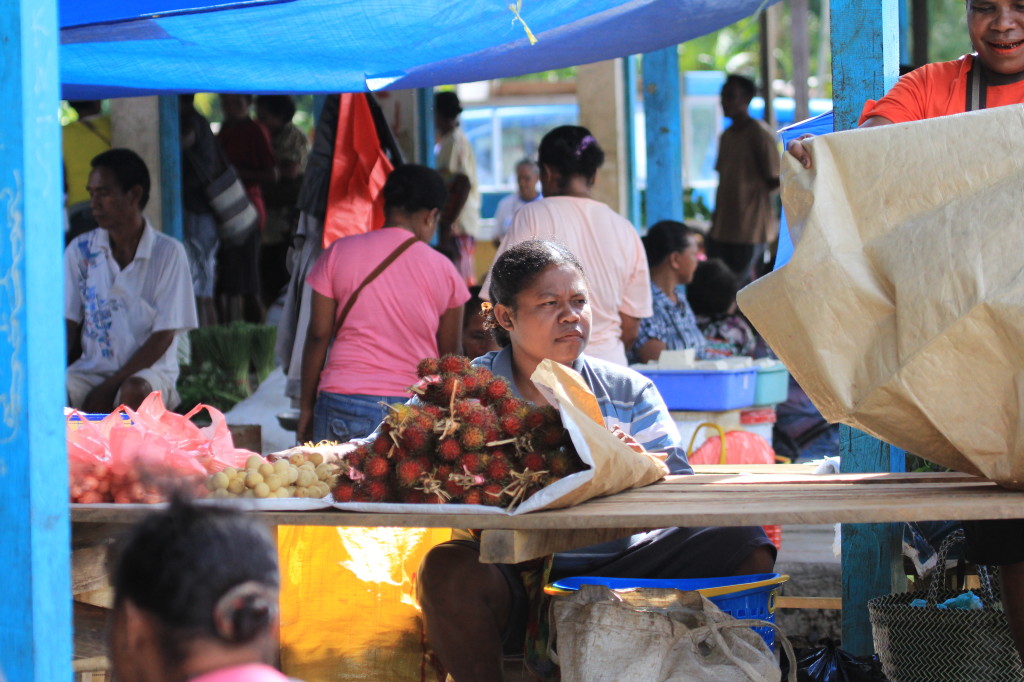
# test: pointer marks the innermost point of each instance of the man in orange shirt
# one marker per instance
(993, 76)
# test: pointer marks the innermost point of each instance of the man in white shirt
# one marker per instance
(127, 295)
(527, 177)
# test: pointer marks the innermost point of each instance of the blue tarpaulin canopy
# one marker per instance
(119, 48)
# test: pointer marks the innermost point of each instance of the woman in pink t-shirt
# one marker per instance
(195, 598)
(411, 310)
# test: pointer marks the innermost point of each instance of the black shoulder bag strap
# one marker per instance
(977, 85)
(369, 278)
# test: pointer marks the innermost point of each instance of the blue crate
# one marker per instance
(744, 596)
(772, 385)
(705, 390)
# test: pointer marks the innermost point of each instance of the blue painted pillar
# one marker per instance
(425, 127)
(664, 199)
(35, 630)
(170, 166)
(629, 83)
(865, 64)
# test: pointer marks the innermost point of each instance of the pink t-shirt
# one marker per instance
(253, 672)
(611, 253)
(393, 324)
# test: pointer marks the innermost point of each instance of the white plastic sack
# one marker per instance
(661, 635)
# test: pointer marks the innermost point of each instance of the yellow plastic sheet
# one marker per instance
(348, 609)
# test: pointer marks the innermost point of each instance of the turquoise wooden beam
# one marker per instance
(634, 208)
(865, 64)
(664, 199)
(170, 167)
(35, 630)
(425, 127)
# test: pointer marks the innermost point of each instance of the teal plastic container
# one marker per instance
(772, 385)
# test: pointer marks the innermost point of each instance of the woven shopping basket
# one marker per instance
(929, 644)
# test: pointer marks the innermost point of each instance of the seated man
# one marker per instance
(127, 295)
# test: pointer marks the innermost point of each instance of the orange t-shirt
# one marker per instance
(937, 90)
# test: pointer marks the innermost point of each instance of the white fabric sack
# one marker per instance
(658, 635)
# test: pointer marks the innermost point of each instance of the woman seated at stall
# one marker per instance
(476, 612)
(712, 298)
(195, 598)
(672, 257)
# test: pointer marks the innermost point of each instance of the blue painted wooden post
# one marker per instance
(629, 83)
(664, 199)
(35, 630)
(865, 64)
(170, 166)
(425, 127)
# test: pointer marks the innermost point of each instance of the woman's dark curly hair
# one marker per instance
(202, 572)
(517, 269)
(571, 150)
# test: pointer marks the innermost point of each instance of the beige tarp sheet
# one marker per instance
(901, 312)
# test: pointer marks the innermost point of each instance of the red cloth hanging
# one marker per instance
(355, 203)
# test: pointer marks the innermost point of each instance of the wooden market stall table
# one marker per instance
(767, 494)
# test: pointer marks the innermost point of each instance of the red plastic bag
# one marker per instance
(734, 447)
(141, 461)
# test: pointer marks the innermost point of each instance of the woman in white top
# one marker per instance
(606, 244)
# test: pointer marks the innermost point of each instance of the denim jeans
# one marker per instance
(342, 417)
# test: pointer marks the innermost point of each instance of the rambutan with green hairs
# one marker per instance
(449, 449)
(454, 364)
(564, 462)
(428, 367)
(472, 437)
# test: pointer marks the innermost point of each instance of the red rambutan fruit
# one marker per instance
(408, 472)
(382, 444)
(415, 439)
(534, 419)
(496, 389)
(412, 496)
(376, 467)
(434, 411)
(344, 491)
(498, 468)
(563, 462)
(533, 461)
(472, 462)
(511, 405)
(449, 449)
(551, 436)
(371, 491)
(473, 496)
(512, 425)
(428, 367)
(492, 495)
(454, 364)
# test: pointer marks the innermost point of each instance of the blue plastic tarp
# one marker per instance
(116, 48)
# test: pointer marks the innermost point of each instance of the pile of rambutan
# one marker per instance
(466, 440)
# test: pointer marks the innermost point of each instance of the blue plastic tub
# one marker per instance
(746, 596)
(772, 385)
(705, 390)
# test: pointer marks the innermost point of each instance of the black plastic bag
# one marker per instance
(828, 663)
